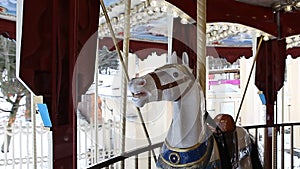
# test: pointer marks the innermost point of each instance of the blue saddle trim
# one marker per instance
(187, 155)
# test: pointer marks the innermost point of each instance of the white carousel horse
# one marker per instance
(189, 142)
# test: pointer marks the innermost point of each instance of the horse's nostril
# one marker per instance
(141, 82)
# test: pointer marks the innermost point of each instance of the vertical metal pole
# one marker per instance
(292, 146)
(20, 145)
(124, 78)
(170, 36)
(283, 103)
(96, 103)
(50, 149)
(274, 154)
(201, 43)
(249, 78)
(282, 147)
(33, 116)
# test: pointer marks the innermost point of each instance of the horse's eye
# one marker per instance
(175, 74)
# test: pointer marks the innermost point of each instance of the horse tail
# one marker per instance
(255, 155)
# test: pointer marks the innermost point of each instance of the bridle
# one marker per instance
(170, 85)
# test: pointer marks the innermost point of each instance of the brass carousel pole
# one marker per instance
(124, 79)
(201, 43)
(249, 78)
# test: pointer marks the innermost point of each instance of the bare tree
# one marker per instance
(107, 60)
(11, 90)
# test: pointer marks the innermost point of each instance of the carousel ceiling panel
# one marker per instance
(8, 9)
(150, 22)
(147, 22)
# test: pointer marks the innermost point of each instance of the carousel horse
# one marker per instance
(191, 142)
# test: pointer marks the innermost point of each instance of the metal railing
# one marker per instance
(130, 154)
(17, 146)
(90, 152)
(283, 152)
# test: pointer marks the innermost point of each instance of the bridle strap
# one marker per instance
(185, 91)
(169, 85)
(161, 87)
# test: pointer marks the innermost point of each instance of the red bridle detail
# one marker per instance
(161, 87)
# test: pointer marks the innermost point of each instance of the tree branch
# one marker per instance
(8, 111)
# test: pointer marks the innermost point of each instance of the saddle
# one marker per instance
(226, 137)
(227, 140)
(225, 123)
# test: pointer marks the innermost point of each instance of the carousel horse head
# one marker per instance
(170, 82)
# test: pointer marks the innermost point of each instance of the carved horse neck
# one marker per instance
(187, 128)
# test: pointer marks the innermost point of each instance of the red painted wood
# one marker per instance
(8, 28)
(54, 33)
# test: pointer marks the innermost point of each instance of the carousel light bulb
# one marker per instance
(297, 38)
(297, 4)
(288, 8)
(121, 16)
(139, 17)
(232, 28)
(257, 34)
(216, 27)
(225, 34)
(288, 40)
(114, 20)
(150, 12)
(266, 38)
(164, 8)
(175, 14)
(184, 21)
(222, 35)
(156, 9)
(294, 44)
(153, 3)
(225, 27)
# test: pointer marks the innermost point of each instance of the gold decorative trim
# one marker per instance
(181, 149)
(209, 148)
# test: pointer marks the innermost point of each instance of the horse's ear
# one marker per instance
(185, 59)
(174, 57)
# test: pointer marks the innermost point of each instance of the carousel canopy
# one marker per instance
(230, 23)
(148, 18)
